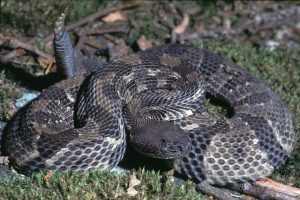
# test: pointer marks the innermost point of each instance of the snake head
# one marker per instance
(161, 139)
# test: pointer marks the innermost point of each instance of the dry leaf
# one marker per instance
(48, 176)
(248, 197)
(132, 192)
(10, 111)
(1, 39)
(133, 181)
(46, 64)
(43, 62)
(226, 23)
(49, 44)
(290, 184)
(115, 16)
(183, 25)
(200, 28)
(143, 43)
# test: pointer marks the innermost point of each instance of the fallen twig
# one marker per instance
(96, 15)
(120, 29)
(269, 20)
(268, 189)
(205, 34)
(218, 193)
(90, 42)
(12, 54)
(18, 45)
(15, 43)
(264, 188)
(80, 43)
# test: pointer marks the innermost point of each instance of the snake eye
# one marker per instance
(172, 149)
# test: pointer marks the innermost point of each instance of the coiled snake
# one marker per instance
(157, 94)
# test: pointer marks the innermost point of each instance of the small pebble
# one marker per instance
(120, 170)
(25, 98)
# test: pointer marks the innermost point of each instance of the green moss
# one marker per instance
(278, 68)
(38, 16)
(144, 25)
(96, 185)
(209, 7)
(7, 92)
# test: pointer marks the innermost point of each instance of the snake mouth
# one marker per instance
(165, 150)
(174, 150)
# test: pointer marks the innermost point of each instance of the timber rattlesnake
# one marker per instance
(79, 123)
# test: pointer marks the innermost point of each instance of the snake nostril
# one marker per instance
(180, 148)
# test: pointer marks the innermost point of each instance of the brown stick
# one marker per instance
(218, 193)
(18, 45)
(29, 47)
(264, 188)
(90, 42)
(80, 43)
(12, 54)
(205, 34)
(268, 189)
(15, 43)
(120, 29)
(94, 16)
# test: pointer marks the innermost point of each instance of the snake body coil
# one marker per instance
(79, 123)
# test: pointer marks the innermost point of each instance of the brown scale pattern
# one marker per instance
(250, 145)
(78, 123)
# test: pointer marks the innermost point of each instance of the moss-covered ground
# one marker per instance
(95, 185)
(279, 68)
